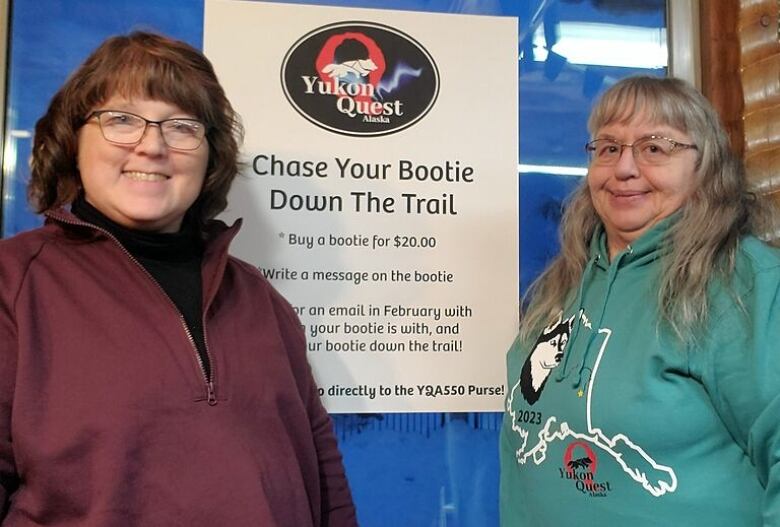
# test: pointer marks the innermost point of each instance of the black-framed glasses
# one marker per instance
(652, 150)
(127, 128)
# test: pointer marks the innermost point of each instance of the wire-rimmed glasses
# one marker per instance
(652, 150)
(127, 128)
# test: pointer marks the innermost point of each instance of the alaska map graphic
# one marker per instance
(655, 478)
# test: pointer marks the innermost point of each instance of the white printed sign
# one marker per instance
(380, 193)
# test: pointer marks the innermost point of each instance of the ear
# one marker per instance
(555, 324)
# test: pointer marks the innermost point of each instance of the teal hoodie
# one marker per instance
(612, 421)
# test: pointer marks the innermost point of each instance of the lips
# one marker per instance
(145, 176)
(628, 193)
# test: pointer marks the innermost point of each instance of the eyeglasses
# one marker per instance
(126, 128)
(652, 150)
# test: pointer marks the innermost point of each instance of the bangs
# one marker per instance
(656, 101)
(139, 72)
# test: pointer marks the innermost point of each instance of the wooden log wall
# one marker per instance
(759, 26)
(740, 43)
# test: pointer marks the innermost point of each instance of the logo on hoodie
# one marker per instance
(579, 466)
(360, 79)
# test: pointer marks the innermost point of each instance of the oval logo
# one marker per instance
(360, 79)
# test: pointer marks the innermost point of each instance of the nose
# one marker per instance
(626, 166)
(152, 142)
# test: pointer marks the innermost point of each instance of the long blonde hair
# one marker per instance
(704, 240)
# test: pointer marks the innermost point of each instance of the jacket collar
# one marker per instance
(215, 257)
(217, 234)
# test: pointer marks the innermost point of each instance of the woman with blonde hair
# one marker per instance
(644, 385)
(147, 377)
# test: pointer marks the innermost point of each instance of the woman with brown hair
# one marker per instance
(146, 376)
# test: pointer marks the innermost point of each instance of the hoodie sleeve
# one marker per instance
(743, 374)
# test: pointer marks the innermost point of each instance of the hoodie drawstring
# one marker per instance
(595, 323)
(578, 316)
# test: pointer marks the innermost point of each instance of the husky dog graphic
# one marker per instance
(546, 355)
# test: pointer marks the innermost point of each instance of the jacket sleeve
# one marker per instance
(8, 339)
(743, 379)
(337, 508)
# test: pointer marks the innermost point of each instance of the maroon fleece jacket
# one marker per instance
(106, 417)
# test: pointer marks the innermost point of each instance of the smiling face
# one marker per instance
(147, 186)
(630, 199)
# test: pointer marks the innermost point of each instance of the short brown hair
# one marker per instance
(138, 64)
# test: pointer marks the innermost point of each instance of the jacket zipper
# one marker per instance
(211, 395)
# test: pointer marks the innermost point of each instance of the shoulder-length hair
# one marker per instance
(703, 241)
(146, 65)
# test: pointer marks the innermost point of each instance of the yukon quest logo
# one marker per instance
(360, 79)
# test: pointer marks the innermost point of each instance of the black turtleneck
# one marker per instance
(172, 259)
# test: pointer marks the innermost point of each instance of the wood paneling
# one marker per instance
(757, 26)
(720, 64)
(740, 62)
